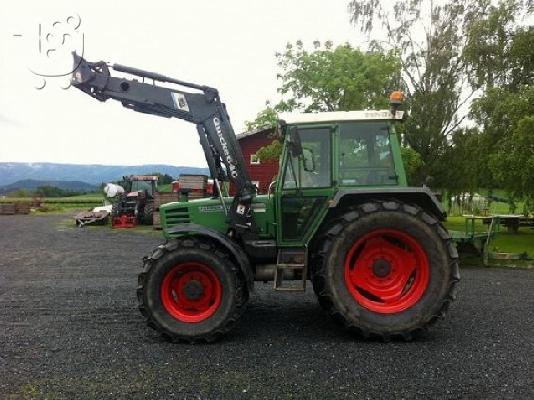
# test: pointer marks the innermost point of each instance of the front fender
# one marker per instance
(235, 250)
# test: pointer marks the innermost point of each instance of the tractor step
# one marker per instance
(291, 259)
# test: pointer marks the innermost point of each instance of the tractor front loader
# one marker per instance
(340, 214)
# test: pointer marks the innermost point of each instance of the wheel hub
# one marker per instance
(381, 268)
(387, 271)
(193, 290)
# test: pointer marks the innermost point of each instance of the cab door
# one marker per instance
(305, 186)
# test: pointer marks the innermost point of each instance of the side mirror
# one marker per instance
(280, 130)
(295, 145)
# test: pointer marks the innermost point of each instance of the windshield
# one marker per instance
(140, 186)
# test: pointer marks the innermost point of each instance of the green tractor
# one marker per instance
(340, 215)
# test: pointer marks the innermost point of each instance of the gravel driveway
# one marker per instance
(70, 328)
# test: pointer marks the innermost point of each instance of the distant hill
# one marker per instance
(32, 184)
(11, 172)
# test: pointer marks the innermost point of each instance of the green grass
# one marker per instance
(458, 224)
(515, 242)
(82, 199)
(502, 242)
(165, 188)
(59, 204)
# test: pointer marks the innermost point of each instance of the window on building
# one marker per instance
(254, 160)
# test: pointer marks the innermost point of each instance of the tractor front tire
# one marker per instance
(385, 269)
(190, 290)
(115, 209)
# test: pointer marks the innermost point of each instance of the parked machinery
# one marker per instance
(136, 204)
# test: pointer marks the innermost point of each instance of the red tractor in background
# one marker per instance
(136, 204)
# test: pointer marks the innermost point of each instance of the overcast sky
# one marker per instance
(229, 45)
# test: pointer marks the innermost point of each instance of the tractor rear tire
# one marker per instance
(148, 214)
(190, 290)
(385, 269)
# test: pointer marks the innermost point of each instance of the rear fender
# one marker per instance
(422, 196)
(235, 250)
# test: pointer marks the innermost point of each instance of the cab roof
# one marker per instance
(334, 116)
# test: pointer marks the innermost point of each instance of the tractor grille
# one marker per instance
(176, 216)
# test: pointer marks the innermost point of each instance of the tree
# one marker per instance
(19, 193)
(435, 41)
(266, 118)
(53, 191)
(335, 79)
(163, 179)
(271, 152)
(461, 163)
(328, 79)
(507, 117)
(413, 165)
(497, 51)
(431, 63)
(503, 112)
(514, 162)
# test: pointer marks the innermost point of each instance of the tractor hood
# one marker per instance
(211, 214)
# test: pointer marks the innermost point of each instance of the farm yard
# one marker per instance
(340, 206)
(519, 242)
(70, 325)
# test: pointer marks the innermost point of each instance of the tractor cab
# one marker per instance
(329, 153)
(146, 184)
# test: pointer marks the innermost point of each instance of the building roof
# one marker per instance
(265, 129)
(370, 115)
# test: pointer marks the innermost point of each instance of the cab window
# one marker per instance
(312, 168)
(365, 154)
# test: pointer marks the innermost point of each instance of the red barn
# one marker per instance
(261, 173)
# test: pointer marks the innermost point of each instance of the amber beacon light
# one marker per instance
(396, 97)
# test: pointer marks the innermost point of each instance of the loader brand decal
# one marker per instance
(179, 101)
(222, 140)
(211, 209)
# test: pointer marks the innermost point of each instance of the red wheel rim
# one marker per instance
(191, 292)
(387, 271)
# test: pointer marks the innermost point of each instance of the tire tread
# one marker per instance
(326, 239)
(241, 292)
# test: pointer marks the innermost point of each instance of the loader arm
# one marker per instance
(202, 107)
